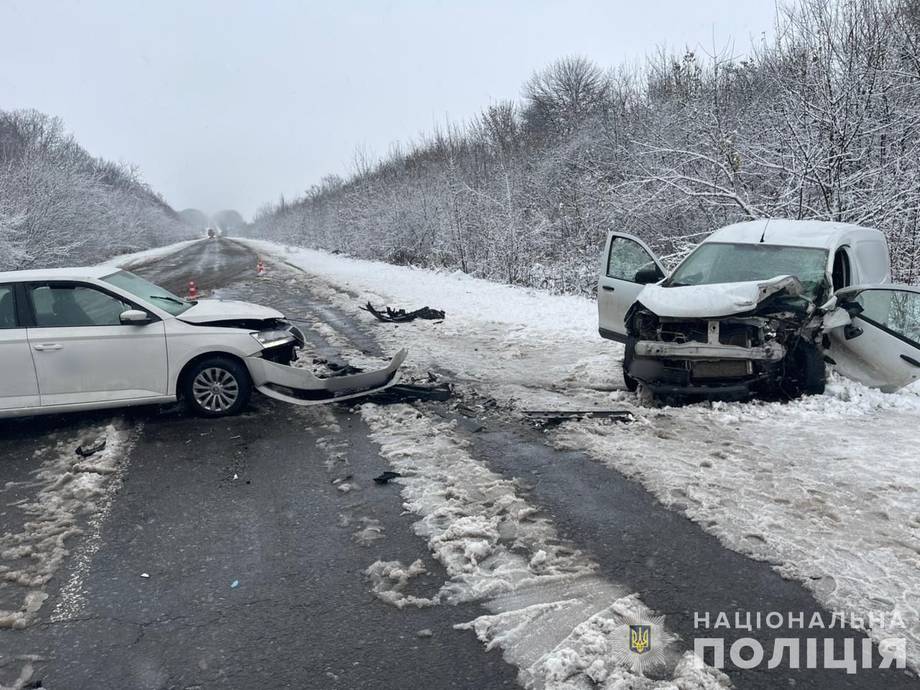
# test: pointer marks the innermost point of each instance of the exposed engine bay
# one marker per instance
(773, 349)
(279, 337)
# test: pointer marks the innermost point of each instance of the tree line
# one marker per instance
(61, 206)
(822, 121)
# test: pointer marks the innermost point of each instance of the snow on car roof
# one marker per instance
(799, 233)
(79, 273)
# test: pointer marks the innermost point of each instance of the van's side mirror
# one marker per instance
(852, 308)
(648, 274)
(134, 317)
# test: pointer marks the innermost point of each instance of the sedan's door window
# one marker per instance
(7, 307)
(75, 305)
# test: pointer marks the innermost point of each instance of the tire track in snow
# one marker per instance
(553, 615)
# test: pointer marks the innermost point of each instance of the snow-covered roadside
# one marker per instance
(134, 258)
(825, 488)
(553, 616)
(71, 491)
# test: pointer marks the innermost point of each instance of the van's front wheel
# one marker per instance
(806, 373)
(217, 387)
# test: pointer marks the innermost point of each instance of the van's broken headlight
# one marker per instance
(273, 337)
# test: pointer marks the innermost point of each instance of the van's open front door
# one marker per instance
(627, 265)
(880, 346)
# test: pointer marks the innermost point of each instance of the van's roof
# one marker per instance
(796, 233)
(79, 273)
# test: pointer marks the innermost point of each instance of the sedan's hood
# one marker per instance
(214, 310)
(720, 299)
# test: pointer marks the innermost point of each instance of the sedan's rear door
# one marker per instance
(621, 282)
(18, 383)
(881, 345)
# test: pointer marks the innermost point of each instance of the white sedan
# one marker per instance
(89, 338)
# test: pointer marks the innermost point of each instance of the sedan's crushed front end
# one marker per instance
(277, 344)
(725, 341)
(274, 372)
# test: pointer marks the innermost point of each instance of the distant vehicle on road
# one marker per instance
(212, 233)
(90, 338)
(757, 309)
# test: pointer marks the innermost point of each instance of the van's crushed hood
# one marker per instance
(716, 300)
(218, 311)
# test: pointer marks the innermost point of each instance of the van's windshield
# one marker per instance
(724, 262)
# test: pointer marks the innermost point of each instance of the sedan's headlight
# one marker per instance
(273, 337)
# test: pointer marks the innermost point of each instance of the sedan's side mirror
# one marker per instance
(648, 274)
(134, 317)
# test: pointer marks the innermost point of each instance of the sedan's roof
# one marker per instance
(796, 233)
(79, 273)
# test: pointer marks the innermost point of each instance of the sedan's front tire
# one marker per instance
(217, 387)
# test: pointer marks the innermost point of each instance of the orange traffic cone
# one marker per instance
(192, 290)
(260, 268)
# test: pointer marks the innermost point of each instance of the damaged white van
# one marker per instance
(90, 338)
(759, 308)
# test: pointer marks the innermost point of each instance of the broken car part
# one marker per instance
(550, 417)
(390, 315)
(303, 387)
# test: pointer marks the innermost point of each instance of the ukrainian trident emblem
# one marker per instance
(640, 638)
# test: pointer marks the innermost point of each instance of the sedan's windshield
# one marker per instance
(149, 292)
(721, 262)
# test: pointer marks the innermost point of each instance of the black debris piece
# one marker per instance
(553, 417)
(385, 477)
(338, 368)
(391, 315)
(90, 447)
(407, 392)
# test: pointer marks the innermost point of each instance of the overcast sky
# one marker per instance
(226, 104)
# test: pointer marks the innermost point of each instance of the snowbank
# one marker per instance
(128, 260)
(463, 296)
(71, 492)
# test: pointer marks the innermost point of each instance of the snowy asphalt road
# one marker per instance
(206, 504)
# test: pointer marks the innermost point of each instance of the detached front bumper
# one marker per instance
(302, 387)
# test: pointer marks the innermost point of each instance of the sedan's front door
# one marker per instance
(627, 265)
(881, 345)
(84, 354)
(18, 384)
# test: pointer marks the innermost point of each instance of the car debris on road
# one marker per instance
(553, 417)
(386, 476)
(91, 447)
(390, 315)
(407, 392)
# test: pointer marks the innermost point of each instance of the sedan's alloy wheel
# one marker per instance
(215, 389)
